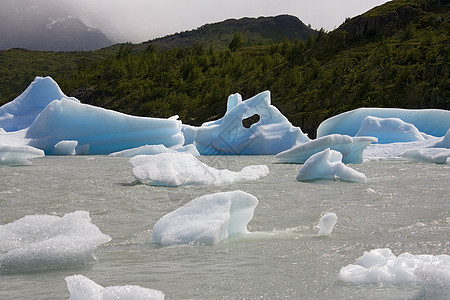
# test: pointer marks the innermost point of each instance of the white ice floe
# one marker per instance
(432, 149)
(430, 155)
(382, 266)
(175, 169)
(326, 224)
(82, 288)
(271, 132)
(42, 242)
(433, 122)
(209, 219)
(328, 164)
(155, 149)
(389, 130)
(18, 155)
(351, 148)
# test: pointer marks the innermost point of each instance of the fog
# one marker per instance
(141, 20)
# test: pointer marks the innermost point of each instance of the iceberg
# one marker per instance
(18, 155)
(82, 288)
(382, 266)
(328, 164)
(49, 120)
(270, 133)
(208, 219)
(433, 122)
(155, 149)
(389, 130)
(22, 111)
(43, 242)
(326, 224)
(351, 148)
(100, 130)
(175, 169)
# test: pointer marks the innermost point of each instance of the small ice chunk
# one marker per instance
(175, 169)
(326, 224)
(389, 130)
(65, 148)
(18, 155)
(209, 219)
(327, 164)
(351, 148)
(82, 288)
(43, 242)
(382, 266)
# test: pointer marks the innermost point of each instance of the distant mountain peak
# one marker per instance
(45, 25)
(253, 30)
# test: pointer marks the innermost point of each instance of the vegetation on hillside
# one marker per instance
(394, 56)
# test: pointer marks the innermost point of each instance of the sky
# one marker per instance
(141, 20)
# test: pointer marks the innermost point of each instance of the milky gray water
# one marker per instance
(404, 206)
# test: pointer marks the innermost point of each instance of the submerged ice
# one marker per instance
(82, 288)
(175, 169)
(43, 242)
(209, 219)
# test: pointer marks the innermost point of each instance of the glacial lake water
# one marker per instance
(403, 206)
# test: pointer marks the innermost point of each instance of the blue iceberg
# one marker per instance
(48, 120)
(270, 133)
(433, 122)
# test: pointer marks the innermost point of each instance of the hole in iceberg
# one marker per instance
(247, 122)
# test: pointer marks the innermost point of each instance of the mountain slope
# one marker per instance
(252, 30)
(43, 25)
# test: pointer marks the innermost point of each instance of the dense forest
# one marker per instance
(395, 55)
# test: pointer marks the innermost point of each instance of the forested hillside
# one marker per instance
(395, 55)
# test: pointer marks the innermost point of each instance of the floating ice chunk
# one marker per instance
(175, 169)
(326, 224)
(18, 155)
(351, 148)
(65, 148)
(389, 130)
(271, 134)
(327, 164)
(381, 266)
(43, 242)
(155, 149)
(434, 122)
(103, 131)
(209, 219)
(21, 112)
(82, 288)
(436, 282)
(430, 155)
